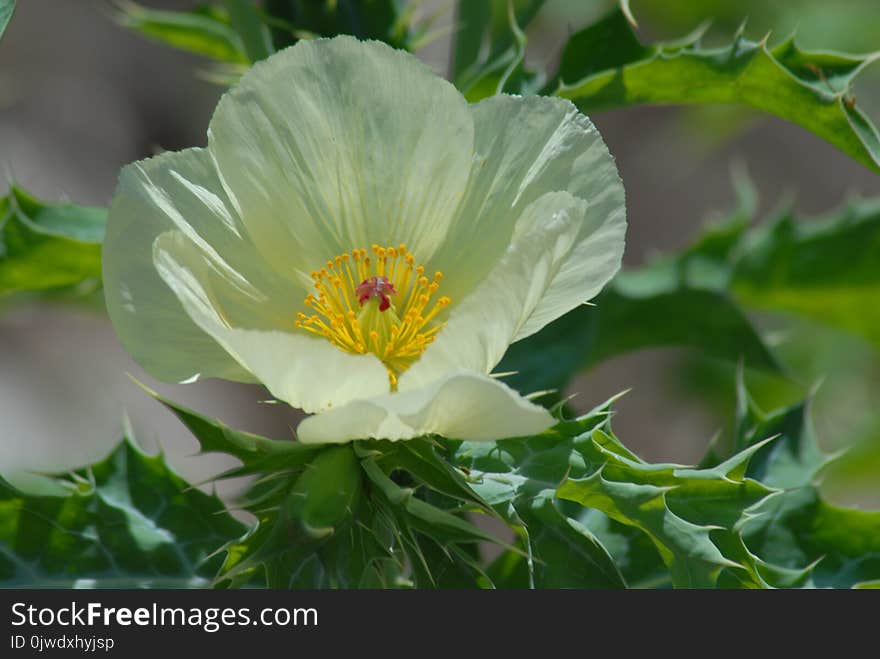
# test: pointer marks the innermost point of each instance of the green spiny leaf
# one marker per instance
(216, 437)
(421, 515)
(691, 515)
(605, 66)
(519, 479)
(420, 458)
(794, 459)
(678, 509)
(795, 529)
(632, 551)
(566, 554)
(686, 548)
(319, 525)
(128, 521)
(758, 573)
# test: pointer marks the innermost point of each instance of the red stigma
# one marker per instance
(376, 287)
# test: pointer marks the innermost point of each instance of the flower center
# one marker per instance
(389, 313)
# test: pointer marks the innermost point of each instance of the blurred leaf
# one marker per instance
(45, 246)
(7, 7)
(852, 24)
(604, 66)
(126, 522)
(796, 528)
(845, 542)
(860, 465)
(254, 34)
(794, 460)
(472, 19)
(634, 312)
(489, 52)
(499, 34)
(205, 32)
(607, 44)
(384, 20)
(827, 270)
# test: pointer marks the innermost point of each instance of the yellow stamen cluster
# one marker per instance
(398, 334)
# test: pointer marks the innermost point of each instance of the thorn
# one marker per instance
(140, 384)
(627, 12)
(539, 394)
(740, 31)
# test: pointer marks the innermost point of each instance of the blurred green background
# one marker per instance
(80, 96)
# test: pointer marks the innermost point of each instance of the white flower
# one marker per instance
(301, 248)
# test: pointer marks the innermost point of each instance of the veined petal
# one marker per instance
(335, 144)
(305, 372)
(483, 325)
(462, 405)
(179, 192)
(524, 148)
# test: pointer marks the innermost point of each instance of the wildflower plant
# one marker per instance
(365, 243)
(421, 266)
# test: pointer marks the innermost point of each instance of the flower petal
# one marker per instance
(483, 325)
(181, 192)
(334, 144)
(303, 371)
(462, 405)
(524, 148)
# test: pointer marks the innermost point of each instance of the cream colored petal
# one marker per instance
(304, 371)
(179, 192)
(336, 143)
(462, 405)
(483, 325)
(524, 148)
